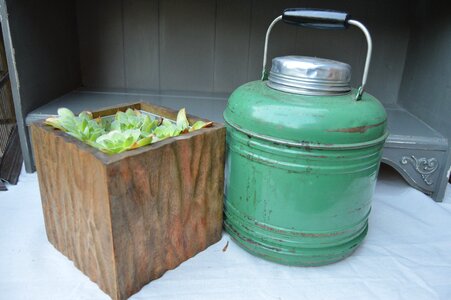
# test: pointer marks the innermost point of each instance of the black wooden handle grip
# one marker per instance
(316, 18)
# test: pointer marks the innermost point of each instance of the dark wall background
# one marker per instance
(43, 58)
(426, 85)
(217, 45)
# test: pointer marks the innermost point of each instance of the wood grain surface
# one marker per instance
(126, 221)
(75, 201)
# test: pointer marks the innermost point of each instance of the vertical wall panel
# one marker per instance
(101, 43)
(282, 40)
(46, 50)
(141, 48)
(216, 45)
(42, 47)
(389, 27)
(232, 44)
(187, 30)
(426, 85)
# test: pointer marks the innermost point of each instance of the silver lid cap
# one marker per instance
(309, 75)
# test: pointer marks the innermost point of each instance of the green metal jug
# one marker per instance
(303, 153)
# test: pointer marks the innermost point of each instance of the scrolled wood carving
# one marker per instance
(425, 166)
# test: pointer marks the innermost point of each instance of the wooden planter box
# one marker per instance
(126, 219)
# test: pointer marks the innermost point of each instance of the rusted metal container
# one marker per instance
(303, 155)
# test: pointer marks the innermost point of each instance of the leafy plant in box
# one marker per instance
(169, 129)
(119, 141)
(149, 125)
(199, 125)
(133, 119)
(82, 127)
(129, 130)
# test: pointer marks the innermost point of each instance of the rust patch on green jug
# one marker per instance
(358, 129)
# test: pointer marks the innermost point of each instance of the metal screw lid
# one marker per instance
(309, 75)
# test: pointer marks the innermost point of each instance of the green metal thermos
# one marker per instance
(303, 153)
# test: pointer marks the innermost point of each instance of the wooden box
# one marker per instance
(126, 219)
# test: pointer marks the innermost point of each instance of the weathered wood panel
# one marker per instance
(126, 219)
(74, 194)
(169, 199)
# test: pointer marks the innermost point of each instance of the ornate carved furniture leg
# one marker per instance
(418, 152)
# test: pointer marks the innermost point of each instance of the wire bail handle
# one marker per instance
(321, 19)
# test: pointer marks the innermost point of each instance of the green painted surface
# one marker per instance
(300, 205)
(315, 119)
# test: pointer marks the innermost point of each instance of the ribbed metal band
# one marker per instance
(309, 145)
(293, 248)
(306, 88)
(309, 76)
